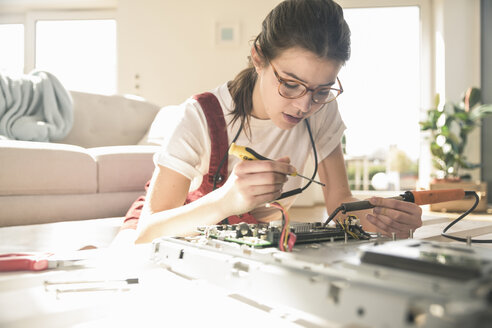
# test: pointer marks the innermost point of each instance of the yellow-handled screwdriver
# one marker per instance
(248, 154)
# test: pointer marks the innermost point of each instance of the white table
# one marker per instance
(162, 298)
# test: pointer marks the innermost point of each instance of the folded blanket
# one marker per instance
(34, 107)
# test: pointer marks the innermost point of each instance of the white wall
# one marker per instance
(171, 45)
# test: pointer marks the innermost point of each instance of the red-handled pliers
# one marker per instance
(32, 262)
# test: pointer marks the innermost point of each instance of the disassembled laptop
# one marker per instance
(339, 274)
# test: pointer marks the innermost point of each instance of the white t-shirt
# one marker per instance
(186, 145)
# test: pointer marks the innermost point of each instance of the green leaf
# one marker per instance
(462, 115)
(480, 112)
(437, 100)
(425, 126)
(445, 130)
(436, 150)
(438, 165)
(434, 116)
(431, 121)
(474, 98)
(468, 165)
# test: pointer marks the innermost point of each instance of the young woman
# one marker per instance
(283, 106)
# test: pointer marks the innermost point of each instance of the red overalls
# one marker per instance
(219, 148)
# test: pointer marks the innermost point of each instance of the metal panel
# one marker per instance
(378, 283)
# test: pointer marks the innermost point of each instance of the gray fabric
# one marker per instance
(34, 107)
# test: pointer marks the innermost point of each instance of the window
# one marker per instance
(12, 54)
(382, 99)
(80, 53)
(78, 47)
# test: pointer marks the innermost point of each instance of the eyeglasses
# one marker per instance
(292, 89)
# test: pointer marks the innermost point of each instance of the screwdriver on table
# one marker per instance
(248, 154)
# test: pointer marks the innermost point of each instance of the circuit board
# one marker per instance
(265, 235)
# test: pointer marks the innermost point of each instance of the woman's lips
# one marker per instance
(291, 119)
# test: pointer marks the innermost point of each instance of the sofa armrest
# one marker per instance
(123, 168)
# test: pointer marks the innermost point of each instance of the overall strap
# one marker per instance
(219, 148)
(218, 136)
(217, 130)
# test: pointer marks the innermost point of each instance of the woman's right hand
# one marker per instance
(254, 183)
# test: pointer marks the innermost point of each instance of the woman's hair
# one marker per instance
(314, 25)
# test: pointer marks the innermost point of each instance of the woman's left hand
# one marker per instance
(391, 215)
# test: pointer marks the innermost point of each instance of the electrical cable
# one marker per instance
(315, 153)
(287, 238)
(478, 241)
(287, 193)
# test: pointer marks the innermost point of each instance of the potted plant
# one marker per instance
(449, 126)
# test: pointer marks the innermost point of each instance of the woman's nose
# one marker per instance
(305, 102)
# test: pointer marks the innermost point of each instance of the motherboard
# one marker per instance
(267, 235)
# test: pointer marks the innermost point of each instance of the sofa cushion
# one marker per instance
(101, 120)
(34, 168)
(123, 168)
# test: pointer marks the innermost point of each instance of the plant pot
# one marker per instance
(460, 205)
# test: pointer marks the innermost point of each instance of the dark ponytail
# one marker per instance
(241, 89)
(314, 25)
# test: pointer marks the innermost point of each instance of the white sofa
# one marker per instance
(96, 171)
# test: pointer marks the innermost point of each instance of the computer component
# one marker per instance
(369, 283)
(266, 235)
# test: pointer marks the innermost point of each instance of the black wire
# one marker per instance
(315, 156)
(299, 190)
(287, 193)
(478, 241)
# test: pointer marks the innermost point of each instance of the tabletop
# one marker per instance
(161, 296)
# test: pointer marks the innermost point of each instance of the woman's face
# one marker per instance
(293, 64)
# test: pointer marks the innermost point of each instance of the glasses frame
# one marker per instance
(282, 80)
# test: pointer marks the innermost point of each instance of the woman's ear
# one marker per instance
(257, 58)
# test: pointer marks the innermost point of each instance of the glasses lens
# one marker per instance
(325, 95)
(291, 89)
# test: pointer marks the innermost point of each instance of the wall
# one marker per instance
(170, 45)
(486, 23)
